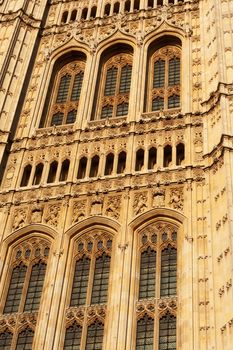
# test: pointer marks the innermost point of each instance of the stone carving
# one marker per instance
(113, 207)
(176, 199)
(140, 203)
(36, 215)
(158, 198)
(52, 215)
(97, 206)
(79, 211)
(19, 218)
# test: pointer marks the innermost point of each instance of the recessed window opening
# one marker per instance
(167, 156)
(116, 8)
(82, 168)
(94, 166)
(127, 6)
(38, 174)
(150, 3)
(159, 2)
(26, 176)
(180, 153)
(73, 15)
(52, 172)
(93, 12)
(84, 13)
(64, 17)
(107, 9)
(152, 158)
(109, 164)
(139, 160)
(64, 170)
(136, 5)
(121, 162)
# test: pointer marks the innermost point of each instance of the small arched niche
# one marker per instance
(113, 82)
(64, 90)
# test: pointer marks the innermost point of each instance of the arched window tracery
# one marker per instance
(157, 287)
(24, 287)
(91, 273)
(164, 79)
(66, 93)
(114, 92)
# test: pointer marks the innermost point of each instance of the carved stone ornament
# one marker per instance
(140, 203)
(20, 217)
(36, 215)
(158, 196)
(96, 206)
(113, 207)
(177, 199)
(79, 211)
(52, 215)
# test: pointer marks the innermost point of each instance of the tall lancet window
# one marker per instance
(164, 79)
(63, 103)
(157, 287)
(114, 91)
(89, 291)
(23, 292)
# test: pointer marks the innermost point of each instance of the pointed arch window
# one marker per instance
(24, 290)
(115, 88)
(164, 82)
(157, 281)
(90, 287)
(66, 93)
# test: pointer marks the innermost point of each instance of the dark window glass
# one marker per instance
(152, 158)
(107, 9)
(107, 111)
(110, 84)
(64, 17)
(126, 72)
(167, 155)
(5, 340)
(173, 101)
(116, 8)
(93, 12)
(73, 337)
(57, 119)
(76, 91)
(147, 274)
(174, 71)
(15, 289)
(71, 117)
(145, 334)
(159, 74)
(84, 13)
(73, 15)
(25, 340)
(100, 282)
(109, 164)
(136, 5)
(127, 6)
(35, 287)
(139, 160)
(167, 333)
(179, 153)
(168, 272)
(26, 175)
(63, 88)
(157, 104)
(122, 109)
(95, 333)
(80, 282)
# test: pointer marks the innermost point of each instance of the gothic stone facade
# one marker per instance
(125, 167)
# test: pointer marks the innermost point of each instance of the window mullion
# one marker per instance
(91, 278)
(166, 86)
(25, 288)
(117, 91)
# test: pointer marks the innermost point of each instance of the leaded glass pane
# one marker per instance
(63, 89)
(145, 334)
(73, 337)
(110, 84)
(15, 289)
(35, 287)
(157, 104)
(76, 91)
(5, 340)
(107, 111)
(95, 333)
(147, 274)
(167, 333)
(168, 272)
(71, 117)
(57, 119)
(122, 109)
(159, 74)
(100, 283)
(173, 101)
(80, 282)
(174, 71)
(125, 79)
(25, 340)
